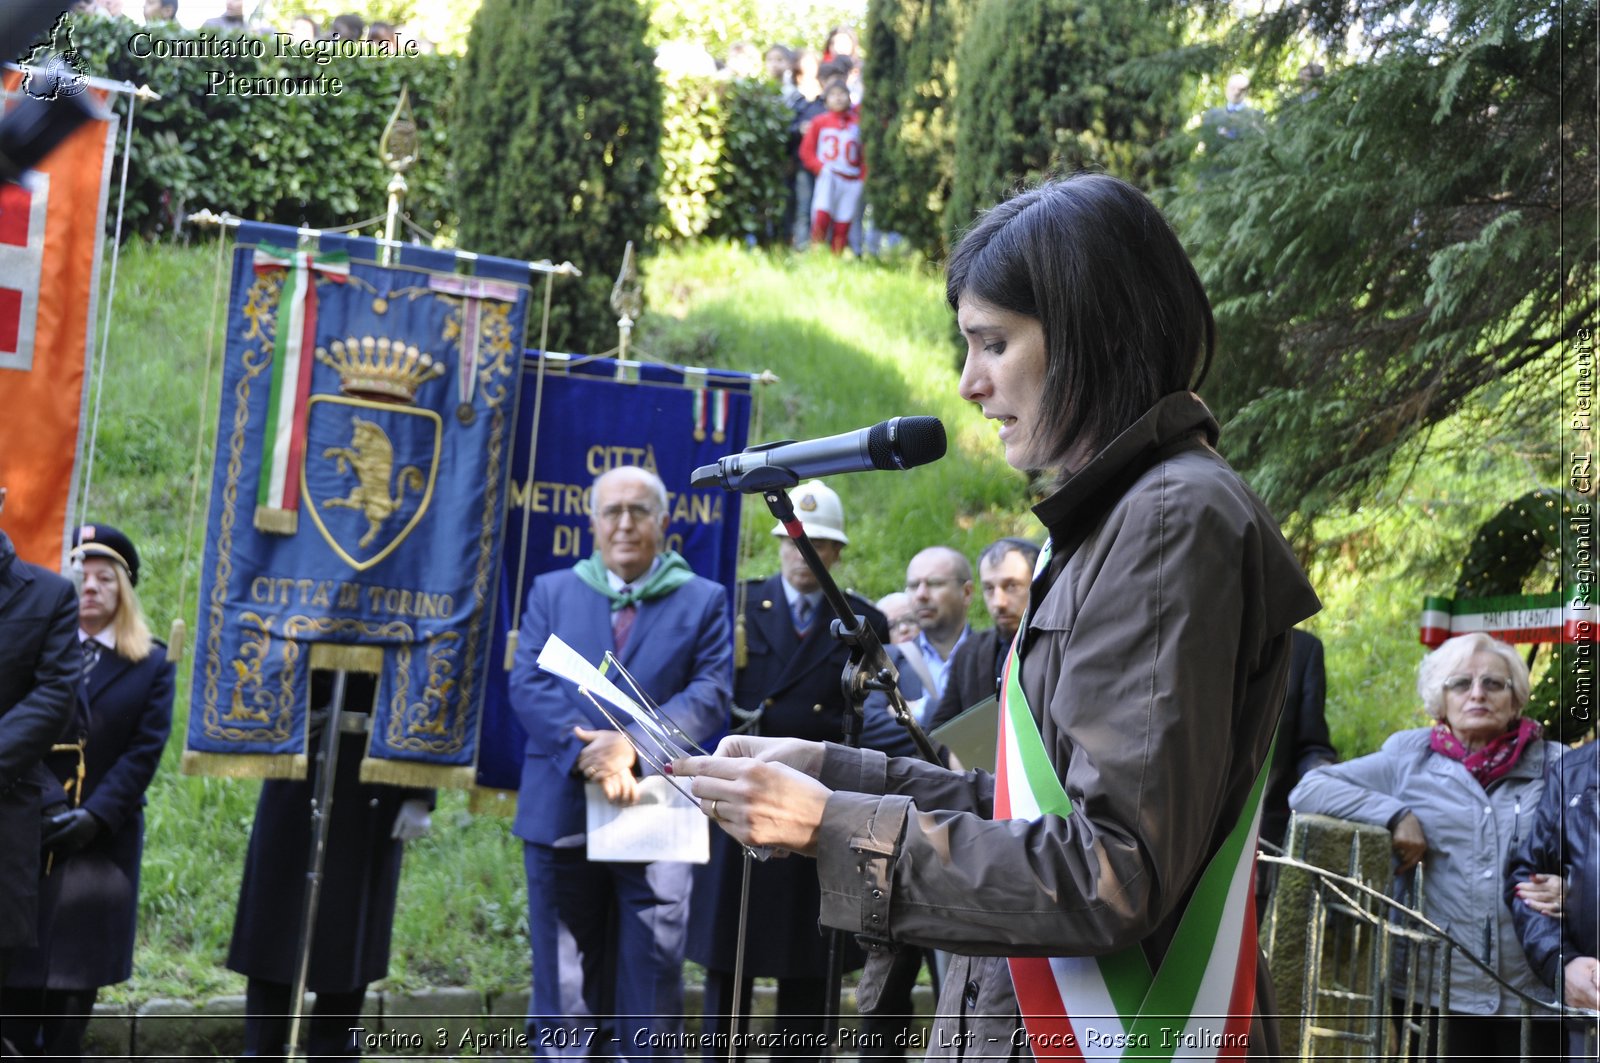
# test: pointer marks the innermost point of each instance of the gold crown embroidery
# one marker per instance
(379, 368)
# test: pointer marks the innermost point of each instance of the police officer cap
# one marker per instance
(102, 540)
(819, 511)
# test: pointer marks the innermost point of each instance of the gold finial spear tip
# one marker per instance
(627, 295)
(398, 145)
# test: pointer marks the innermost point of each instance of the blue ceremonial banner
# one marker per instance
(357, 502)
(595, 414)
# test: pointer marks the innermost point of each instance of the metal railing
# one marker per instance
(1375, 982)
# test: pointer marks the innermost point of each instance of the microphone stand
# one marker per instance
(869, 669)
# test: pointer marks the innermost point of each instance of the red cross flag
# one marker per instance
(51, 234)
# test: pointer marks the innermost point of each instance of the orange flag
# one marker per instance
(51, 235)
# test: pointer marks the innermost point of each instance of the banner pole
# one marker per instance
(207, 216)
(321, 823)
(513, 635)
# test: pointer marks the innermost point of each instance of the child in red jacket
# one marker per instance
(832, 151)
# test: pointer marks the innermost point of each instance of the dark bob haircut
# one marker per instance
(1125, 319)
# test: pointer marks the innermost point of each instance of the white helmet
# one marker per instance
(820, 513)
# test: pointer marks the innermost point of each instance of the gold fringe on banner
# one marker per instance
(340, 657)
(245, 765)
(487, 801)
(271, 521)
(413, 773)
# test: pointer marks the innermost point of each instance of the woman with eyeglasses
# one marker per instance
(1457, 797)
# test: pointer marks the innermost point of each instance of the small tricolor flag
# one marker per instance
(1559, 616)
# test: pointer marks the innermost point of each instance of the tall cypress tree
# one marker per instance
(1057, 85)
(908, 121)
(557, 130)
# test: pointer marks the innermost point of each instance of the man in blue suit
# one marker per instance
(608, 938)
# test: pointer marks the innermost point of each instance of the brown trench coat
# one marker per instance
(1155, 660)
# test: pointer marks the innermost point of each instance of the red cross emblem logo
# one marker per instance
(22, 214)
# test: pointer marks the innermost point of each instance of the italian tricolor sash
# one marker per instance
(294, 340)
(1198, 1005)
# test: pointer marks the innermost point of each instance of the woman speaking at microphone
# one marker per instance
(1098, 883)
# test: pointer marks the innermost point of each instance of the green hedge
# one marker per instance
(723, 157)
(1054, 86)
(297, 160)
(751, 188)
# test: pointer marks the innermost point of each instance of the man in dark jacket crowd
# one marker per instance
(1005, 572)
(1564, 840)
(38, 690)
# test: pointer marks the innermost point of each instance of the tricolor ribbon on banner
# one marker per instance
(710, 405)
(1199, 1003)
(278, 491)
(472, 291)
(1559, 616)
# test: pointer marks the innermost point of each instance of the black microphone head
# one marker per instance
(905, 442)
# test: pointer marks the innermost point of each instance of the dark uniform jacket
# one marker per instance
(1303, 741)
(355, 914)
(92, 896)
(972, 675)
(794, 683)
(1564, 839)
(39, 667)
(1155, 662)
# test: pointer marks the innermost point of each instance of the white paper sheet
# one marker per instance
(560, 659)
(664, 825)
(668, 823)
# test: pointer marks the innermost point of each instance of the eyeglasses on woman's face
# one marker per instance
(1462, 684)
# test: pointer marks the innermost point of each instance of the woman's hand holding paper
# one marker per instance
(760, 802)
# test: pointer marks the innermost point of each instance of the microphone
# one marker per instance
(898, 443)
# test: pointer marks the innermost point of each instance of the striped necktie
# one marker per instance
(802, 615)
(622, 622)
(91, 657)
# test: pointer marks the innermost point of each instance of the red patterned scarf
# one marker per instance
(1494, 760)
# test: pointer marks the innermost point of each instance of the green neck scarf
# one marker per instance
(672, 573)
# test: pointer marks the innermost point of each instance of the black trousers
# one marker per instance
(47, 1023)
(325, 1035)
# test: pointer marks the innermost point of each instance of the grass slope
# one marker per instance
(853, 344)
